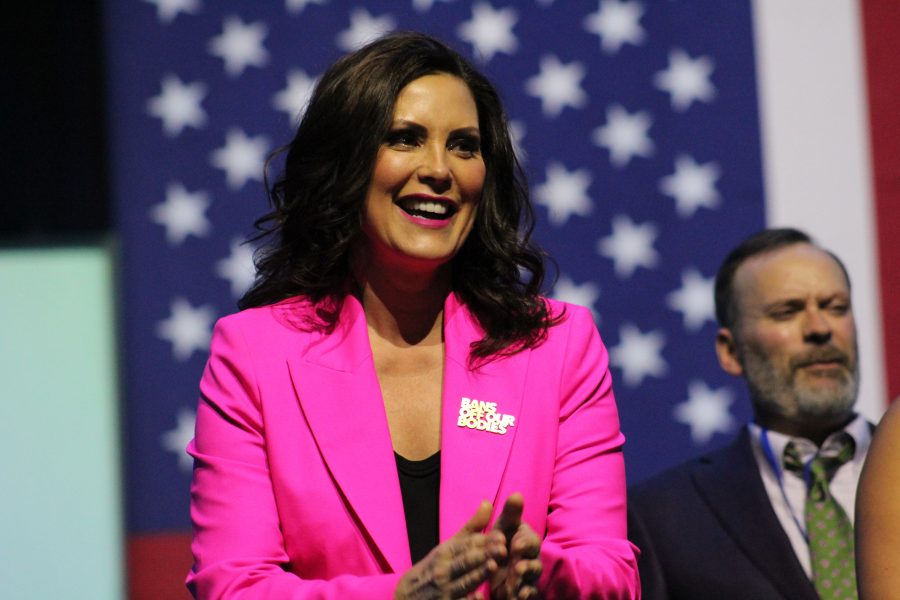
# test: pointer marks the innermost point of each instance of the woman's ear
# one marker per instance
(726, 351)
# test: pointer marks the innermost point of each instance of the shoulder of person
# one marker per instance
(676, 480)
(566, 313)
(890, 421)
(292, 315)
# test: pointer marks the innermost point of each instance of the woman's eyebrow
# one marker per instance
(472, 131)
(418, 128)
(407, 124)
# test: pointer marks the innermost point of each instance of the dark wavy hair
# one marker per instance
(318, 198)
(758, 243)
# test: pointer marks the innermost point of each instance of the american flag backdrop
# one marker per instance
(639, 126)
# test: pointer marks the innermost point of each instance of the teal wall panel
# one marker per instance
(61, 509)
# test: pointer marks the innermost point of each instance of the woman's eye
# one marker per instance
(466, 146)
(402, 138)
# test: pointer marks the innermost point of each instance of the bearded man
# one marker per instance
(769, 515)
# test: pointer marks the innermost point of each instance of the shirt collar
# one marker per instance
(858, 429)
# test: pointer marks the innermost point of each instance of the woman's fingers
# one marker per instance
(460, 556)
(453, 569)
(509, 520)
(468, 582)
(525, 552)
(525, 543)
(463, 565)
(457, 567)
(517, 578)
(528, 571)
(478, 521)
(520, 581)
(494, 543)
(508, 555)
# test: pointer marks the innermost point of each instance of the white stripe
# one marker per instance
(814, 116)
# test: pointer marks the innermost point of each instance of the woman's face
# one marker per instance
(428, 176)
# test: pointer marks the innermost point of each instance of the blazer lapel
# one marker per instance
(473, 460)
(339, 394)
(735, 493)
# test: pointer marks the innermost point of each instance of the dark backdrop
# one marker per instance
(53, 174)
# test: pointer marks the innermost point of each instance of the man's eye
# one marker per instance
(839, 309)
(781, 314)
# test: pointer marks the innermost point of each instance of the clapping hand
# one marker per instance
(507, 556)
(518, 573)
(457, 567)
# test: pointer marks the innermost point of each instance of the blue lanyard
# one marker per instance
(779, 476)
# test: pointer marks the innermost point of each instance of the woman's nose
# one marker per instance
(434, 168)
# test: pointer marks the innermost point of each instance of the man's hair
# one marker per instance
(761, 242)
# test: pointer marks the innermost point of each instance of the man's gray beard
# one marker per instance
(771, 394)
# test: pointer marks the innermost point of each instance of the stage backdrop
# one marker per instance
(655, 136)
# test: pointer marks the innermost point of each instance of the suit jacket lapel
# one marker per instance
(472, 460)
(734, 491)
(339, 394)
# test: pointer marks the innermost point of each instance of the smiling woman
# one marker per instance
(350, 124)
(428, 176)
(397, 412)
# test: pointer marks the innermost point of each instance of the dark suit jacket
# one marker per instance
(706, 529)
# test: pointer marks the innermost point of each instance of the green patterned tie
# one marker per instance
(830, 531)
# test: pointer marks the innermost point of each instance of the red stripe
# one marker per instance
(157, 566)
(881, 24)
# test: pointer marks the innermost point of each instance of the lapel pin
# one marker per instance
(483, 416)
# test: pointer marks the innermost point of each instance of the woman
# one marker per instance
(397, 412)
(878, 512)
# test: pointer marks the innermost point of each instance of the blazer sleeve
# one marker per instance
(238, 547)
(586, 552)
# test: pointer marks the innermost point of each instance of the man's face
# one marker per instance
(795, 337)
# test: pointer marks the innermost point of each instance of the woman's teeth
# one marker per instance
(430, 207)
(426, 208)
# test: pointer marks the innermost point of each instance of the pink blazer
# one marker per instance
(295, 492)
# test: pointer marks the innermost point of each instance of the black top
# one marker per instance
(419, 484)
